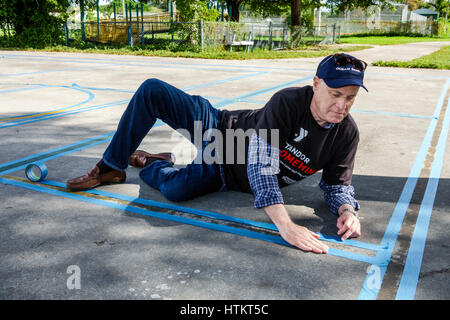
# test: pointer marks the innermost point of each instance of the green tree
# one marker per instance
(278, 7)
(442, 7)
(414, 4)
(36, 22)
(343, 5)
(194, 10)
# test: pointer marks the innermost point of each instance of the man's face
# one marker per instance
(331, 105)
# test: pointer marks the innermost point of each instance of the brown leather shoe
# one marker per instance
(139, 158)
(93, 179)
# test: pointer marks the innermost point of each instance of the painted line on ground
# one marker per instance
(214, 215)
(34, 87)
(91, 96)
(187, 64)
(166, 65)
(64, 113)
(369, 291)
(166, 216)
(43, 116)
(51, 71)
(233, 68)
(19, 164)
(411, 271)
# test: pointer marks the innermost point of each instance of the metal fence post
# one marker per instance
(339, 35)
(202, 39)
(66, 33)
(270, 35)
(98, 20)
(131, 27)
(334, 33)
(115, 16)
(130, 39)
(315, 33)
(83, 33)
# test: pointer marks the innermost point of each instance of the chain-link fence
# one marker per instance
(204, 34)
(266, 36)
(323, 35)
(142, 33)
(349, 27)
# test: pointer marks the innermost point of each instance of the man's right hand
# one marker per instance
(302, 238)
(294, 234)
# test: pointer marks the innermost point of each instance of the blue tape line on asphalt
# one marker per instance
(225, 81)
(383, 257)
(168, 65)
(13, 123)
(91, 96)
(160, 215)
(188, 64)
(215, 215)
(410, 277)
(49, 71)
(172, 64)
(63, 114)
(32, 87)
(394, 114)
(42, 156)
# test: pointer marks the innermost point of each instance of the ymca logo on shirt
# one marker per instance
(301, 135)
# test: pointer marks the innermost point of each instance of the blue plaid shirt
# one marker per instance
(262, 168)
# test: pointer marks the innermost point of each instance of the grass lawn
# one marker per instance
(436, 60)
(388, 40)
(208, 53)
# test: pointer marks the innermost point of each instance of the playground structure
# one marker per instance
(134, 27)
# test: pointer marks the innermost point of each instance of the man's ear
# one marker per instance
(316, 81)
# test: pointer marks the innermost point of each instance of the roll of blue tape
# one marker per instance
(36, 171)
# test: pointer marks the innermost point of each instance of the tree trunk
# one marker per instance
(234, 9)
(296, 12)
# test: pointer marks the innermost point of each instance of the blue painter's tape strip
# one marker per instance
(62, 114)
(91, 96)
(214, 215)
(179, 65)
(224, 81)
(410, 277)
(32, 87)
(394, 114)
(51, 71)
(368, 291)
(13, 122)
(54, 153)
(141, 63)
(198, 223)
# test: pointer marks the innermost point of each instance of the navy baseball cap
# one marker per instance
(340, 70)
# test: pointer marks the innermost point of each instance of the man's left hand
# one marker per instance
(348, 225)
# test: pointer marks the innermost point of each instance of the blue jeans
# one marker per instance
(154, 100)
